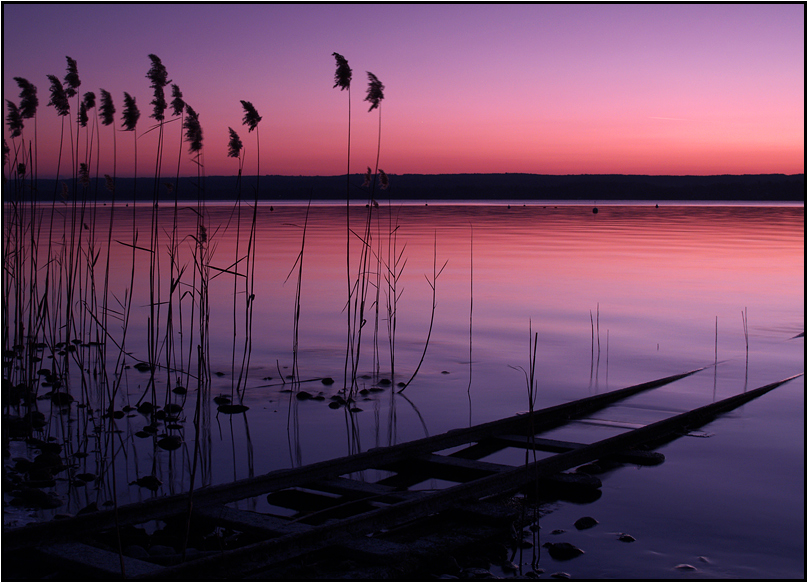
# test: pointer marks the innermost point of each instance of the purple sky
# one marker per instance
(551, 89)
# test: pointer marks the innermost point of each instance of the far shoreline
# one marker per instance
(420, 188)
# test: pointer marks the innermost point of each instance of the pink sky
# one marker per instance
(536, 88)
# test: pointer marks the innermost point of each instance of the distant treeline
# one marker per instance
(433, 187)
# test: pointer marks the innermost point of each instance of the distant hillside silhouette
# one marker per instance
(434, 187)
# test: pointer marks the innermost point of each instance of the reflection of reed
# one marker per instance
(296, 324)
(745, 319)
(293, 427)
(594, 363)
(715, 364)
(471, 310)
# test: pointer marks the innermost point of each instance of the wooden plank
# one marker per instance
(163, 506)
(100, 561)
(639, 457)
(252, 521)
(356, 489)
(256, 556)
(441, 467)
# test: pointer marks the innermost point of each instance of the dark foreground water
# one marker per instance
(626, 295)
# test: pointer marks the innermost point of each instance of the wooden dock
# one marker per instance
(332, 507)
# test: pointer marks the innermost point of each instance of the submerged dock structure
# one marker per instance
(334, 508)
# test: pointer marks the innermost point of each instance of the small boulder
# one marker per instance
(136, 552)
(585, 522)
(563, 551)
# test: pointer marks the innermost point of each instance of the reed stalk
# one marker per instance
(433, 283)
(342, 79)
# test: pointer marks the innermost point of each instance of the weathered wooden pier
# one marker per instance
(333, 509)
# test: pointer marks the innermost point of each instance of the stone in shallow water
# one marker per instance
(161, 550)
(626, 538)
(563, 551)
(136, 552)
(585, 522)
(561, 575)
(476, 573)
(685, 567)
(510, 567)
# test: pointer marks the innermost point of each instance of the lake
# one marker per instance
(614, 298)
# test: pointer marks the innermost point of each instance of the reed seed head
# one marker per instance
(21, 169)
(14, 119)
(84, 174)
(72, 78)
(130, 113)
(28, 99)
(159, 104)
(83, 117)
(343, 74)
(251, 117)
(58, 96)
(109, 183)
(234, 145)
(177, 104)
(159, 79)
(384, 182)
(375, 91)
(193, 130)
(65, 191)
(107, 108)
(157, 73)
(89, 100)
(368, 174)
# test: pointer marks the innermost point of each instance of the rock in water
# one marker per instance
(563, 551)
(585, 522)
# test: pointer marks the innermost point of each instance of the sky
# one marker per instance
(662, 89)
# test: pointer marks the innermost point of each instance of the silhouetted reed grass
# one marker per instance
(60, 303)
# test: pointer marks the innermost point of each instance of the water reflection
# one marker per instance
(630, 294)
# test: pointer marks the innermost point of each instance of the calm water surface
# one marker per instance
(626, 295)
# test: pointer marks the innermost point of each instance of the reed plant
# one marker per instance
(251, 119)
(433, 283)
(61, 302)
(342, 79)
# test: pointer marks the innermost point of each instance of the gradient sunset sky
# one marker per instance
(536, 88)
